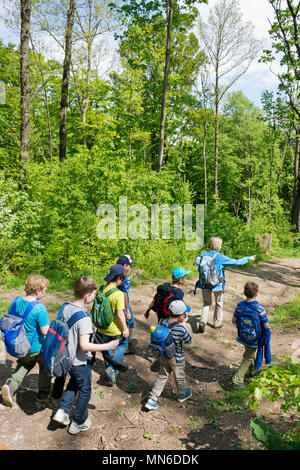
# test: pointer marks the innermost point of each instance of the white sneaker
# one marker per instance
(7, 395)
(61, 417)
(76, 428)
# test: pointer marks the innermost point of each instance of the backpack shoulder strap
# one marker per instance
(60, 311)
(28, 309)
(77, 316)
(111, 291)
(172, 325)
(14, 305)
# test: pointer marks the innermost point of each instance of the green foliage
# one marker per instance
(277, 383)
(288, 313)
(270, 438)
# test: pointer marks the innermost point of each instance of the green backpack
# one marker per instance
(102, 314)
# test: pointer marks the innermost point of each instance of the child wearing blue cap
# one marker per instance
(166, 293)
(118, 329)
(126, 261)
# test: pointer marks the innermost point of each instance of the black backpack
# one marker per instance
(163, 297)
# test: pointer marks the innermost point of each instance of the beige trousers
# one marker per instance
(167, 366)
(207, 295)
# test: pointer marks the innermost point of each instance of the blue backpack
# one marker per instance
(162, 341)
(13, 330)
(248, 326)
(55, 352)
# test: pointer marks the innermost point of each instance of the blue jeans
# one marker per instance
(120, 351)
(81, 383)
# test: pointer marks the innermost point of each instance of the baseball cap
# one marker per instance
(125, 259)
(113, 271)
(179, 272)
(178, 307)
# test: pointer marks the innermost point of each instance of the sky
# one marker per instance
(258, 77)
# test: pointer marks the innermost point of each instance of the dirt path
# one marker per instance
(119, 421)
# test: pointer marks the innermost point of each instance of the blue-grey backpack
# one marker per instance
(55, 351)
(13, 331)
(162, 341)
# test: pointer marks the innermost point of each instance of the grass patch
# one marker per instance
(3, 307)
(289, 312)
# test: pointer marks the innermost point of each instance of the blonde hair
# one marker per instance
(34, 283)
(215, 244)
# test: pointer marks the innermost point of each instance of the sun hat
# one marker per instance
(178, 307)
(179, 272)
(125, 259)
(114, 271)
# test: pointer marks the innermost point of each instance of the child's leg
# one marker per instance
(120, 351)
(218, 314)
(69, 394)
(83, 375)
(44, 381)
(246, 364)
(24, 366)
(160, 382)
(179, 376)
(207, 300)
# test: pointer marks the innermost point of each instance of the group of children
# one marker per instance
(171, 312)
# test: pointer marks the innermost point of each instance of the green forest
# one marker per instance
(160, 124)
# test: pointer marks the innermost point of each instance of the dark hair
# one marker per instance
(250, 290)
(84, 285)
(121, 276)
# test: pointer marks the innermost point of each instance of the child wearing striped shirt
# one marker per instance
(178, 313)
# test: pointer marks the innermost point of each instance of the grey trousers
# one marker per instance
(167, 366)
(207, 302)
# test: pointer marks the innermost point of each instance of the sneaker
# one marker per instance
(61, 417)
(201, 327)
(151, 404)
(110, 375)
(8, 394)
(187, 394)
(76, 428)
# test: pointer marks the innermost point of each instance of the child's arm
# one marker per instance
(147, 313)
(234, 320)
(128, 316)
(44, 329)
(87, 346)
(121, 318)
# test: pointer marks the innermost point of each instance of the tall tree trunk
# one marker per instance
(165, 88)
(216, 133)
(26, 6)
(65, 82)
(86, 101)
(38, 61)
(296, 190)
(204, 164)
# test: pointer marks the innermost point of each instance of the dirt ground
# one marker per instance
(119, 420)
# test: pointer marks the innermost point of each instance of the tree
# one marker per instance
(26, 6)
(65, 82)
(231, 47)
(178, 15)
(285, 36)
